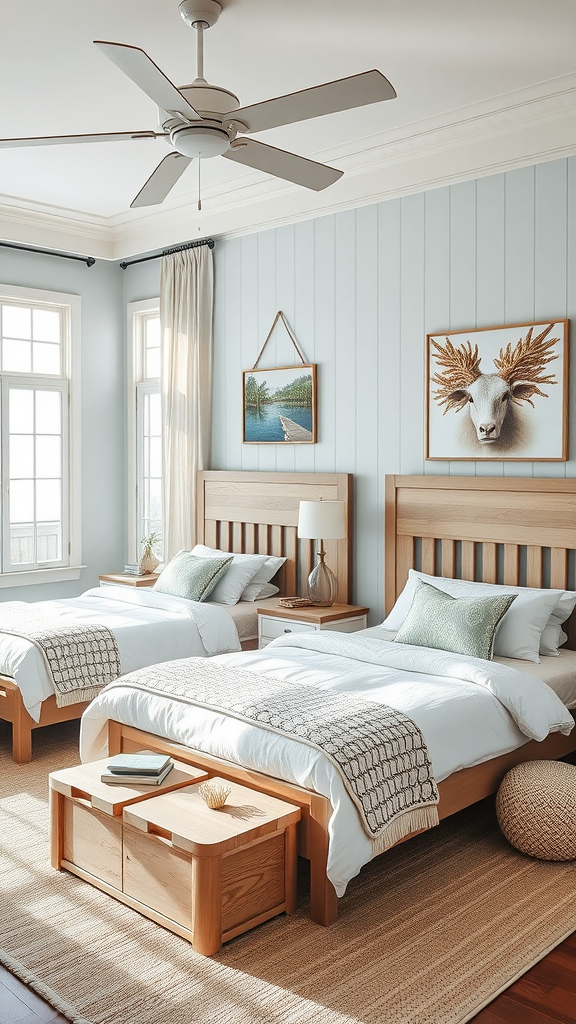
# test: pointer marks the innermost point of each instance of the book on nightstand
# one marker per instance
(137, 764)
(135, 778)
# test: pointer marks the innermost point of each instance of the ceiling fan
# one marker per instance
(200, 120)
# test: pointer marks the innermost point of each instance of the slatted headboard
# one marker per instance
(511, 530)
(257, 513)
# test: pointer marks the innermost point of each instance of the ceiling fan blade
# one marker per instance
(135, 63)
(281, 164)
(161, 180)
(344, 94)
(63, 140)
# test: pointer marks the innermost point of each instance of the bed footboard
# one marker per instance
(313, 826)
(12, 710)
(459, 790)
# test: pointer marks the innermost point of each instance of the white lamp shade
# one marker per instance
(322, 520)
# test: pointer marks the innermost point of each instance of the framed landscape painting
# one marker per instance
(498, 393)
(279, 405)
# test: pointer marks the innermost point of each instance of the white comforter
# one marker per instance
(149, 627)
(468, 710)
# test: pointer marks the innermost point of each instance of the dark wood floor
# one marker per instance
(544, 995)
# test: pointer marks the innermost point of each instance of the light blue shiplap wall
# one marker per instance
(361, 289)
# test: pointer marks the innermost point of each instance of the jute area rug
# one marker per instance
(427, 934)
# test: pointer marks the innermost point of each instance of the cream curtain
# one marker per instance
(186, 311)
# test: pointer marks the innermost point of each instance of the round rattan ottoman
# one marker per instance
(536, 809)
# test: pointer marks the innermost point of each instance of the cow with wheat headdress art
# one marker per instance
(494, 400)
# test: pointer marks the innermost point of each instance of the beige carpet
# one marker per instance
(428, 934)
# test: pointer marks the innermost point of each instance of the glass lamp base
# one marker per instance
(322, 585)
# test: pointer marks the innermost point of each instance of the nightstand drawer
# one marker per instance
(271, 628)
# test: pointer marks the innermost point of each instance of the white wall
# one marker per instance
(103, 404)
(361, 290)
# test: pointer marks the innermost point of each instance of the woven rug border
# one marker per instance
(41, 989)
(520, 974)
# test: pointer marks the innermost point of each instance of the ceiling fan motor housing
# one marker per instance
(208, 137)
(209, 100)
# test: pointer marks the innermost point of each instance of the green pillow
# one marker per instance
(187, 575)
(464, 625)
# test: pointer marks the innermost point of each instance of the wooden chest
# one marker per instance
(207, 875)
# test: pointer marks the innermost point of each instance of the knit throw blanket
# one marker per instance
(80, 658)
(379, 752)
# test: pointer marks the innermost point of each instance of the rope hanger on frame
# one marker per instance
(280, 316)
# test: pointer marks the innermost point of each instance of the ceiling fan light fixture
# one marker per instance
(200, 141)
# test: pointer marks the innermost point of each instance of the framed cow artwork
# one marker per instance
(498, 393)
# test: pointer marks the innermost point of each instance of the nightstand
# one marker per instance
(118, 579)
(274, 620)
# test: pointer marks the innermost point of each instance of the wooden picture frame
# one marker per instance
(498, 393)
(279, 405)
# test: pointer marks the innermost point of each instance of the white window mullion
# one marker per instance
(40, 436)
(46, 429)
(5, 463)
(143, 391)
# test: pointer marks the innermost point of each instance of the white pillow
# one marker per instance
(522, 626)
(266, 573)
(239, 574)
(256, 592)
(554, 636)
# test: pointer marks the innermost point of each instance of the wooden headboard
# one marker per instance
(257, 513)
(511, 530)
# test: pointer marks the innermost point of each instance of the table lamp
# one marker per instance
(322, 520)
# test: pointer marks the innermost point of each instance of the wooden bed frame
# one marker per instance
(256, 513)
(517, 531)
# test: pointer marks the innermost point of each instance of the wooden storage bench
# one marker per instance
(207, 875)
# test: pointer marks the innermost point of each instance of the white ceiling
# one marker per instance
(481, 86)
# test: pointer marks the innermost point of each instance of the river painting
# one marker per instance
(280, 405)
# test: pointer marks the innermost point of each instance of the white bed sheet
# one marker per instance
(559, 673)
(463, 724)
(149, 627)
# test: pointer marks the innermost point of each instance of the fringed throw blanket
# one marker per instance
(80, 658)
(379, 752)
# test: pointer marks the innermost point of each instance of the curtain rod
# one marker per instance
(88, 260)
(168, 252)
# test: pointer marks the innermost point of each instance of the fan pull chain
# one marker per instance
(199, 198)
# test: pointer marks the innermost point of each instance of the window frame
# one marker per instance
(70, 566)
(138, 386)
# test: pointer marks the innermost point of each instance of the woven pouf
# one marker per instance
(536, 809)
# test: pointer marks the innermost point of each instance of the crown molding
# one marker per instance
(519, 129)
(27, 223)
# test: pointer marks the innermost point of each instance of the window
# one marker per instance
(145, 427)
(39, 399)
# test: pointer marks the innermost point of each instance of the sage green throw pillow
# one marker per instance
(463, 625)
(190, 576)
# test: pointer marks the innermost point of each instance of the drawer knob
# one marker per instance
(287, 630)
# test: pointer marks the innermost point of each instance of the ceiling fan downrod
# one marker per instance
(200, 14)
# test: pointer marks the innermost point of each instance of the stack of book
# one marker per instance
(132, 569)
(142, 769)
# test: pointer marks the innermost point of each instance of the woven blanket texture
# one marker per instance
(380, 753)
(80, 658)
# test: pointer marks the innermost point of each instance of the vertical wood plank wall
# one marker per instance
(360, 290)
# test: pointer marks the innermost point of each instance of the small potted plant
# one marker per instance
(148, 560)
